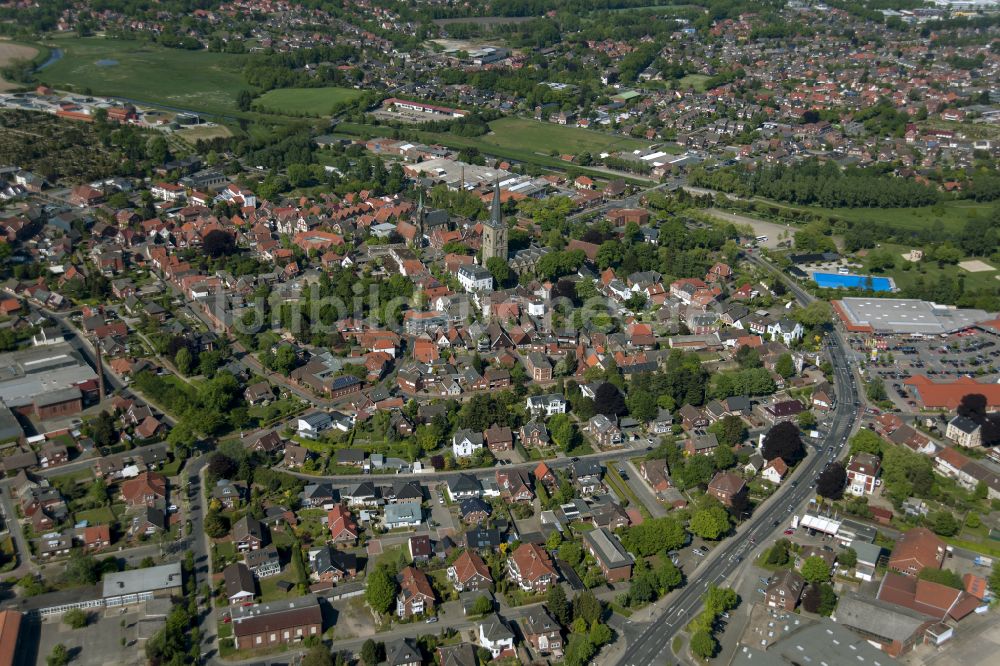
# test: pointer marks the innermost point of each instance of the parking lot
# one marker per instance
(941, 359)
(110, 638)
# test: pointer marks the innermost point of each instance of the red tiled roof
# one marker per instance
(468, 565)
(948, 395)
(532, 562)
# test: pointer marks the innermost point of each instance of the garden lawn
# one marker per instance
(196, 80)
(99, 516)
(269, 590)
(305, 101)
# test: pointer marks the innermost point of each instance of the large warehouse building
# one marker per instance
(47, 381)
(904, 316)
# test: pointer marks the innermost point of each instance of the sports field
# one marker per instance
(197, 80)
(696, 81)
(536, 136)
(305, 101)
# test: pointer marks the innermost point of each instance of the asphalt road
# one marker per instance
(652, 645)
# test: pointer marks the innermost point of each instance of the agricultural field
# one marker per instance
(204, 132)
(305, 101)
(196, 80)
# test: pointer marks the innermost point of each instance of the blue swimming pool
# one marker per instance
(849, 281)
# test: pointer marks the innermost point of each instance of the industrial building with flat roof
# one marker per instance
(904, 316)
(47, 381)
(127, 587)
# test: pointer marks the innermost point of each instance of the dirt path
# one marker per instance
(10, 52)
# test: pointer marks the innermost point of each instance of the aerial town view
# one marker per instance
(542, 332)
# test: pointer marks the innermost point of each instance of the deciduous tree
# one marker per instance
(830, 483)
(783, 441)
(815, 570)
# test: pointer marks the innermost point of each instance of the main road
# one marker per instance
(652, 644)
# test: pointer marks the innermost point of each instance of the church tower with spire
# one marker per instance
(420, 219)
(494, 230)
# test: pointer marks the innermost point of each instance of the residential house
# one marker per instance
(295, 456)
(692, 417)
(499, 439)
(465, 443)
(146, 489)
(464, 486)
(531, 568)
(258, 394)
(605, 432)
(474, 511)
(701, 443)
(229, 493)
(267, 443)
(311, 425)
(496, 636)
(469, 572)
(343, 528)
(240, 585)
(318, 495)
(249, 534)
(784, 589)
(403, 514)
(330, 565)
(547, 405)
(534, 434)
(263, 562)
(862, 472)
(515, 484)
(420, 547)
(542, 632)
(587, 475)
(774, 471)
(361, 494)
(95, 537)
(655, 473)
(780, 411)
(916, 550)
(416, 595)
(786, 330)
(462, 654)
(965, 432)
(538, 366)
(728, 488)
(611, 556)
(402, 652)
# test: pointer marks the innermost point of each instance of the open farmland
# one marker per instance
(196, 80)
(11, 53)
(305, 101)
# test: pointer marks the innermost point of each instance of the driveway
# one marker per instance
(643, 491)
